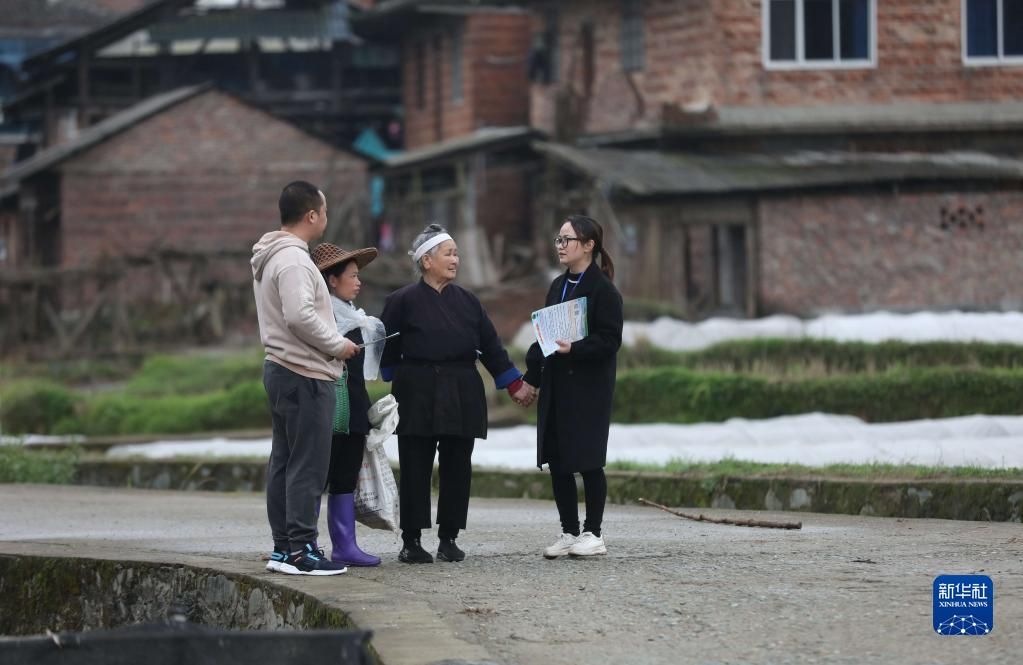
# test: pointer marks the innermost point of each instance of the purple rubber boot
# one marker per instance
(341, 523)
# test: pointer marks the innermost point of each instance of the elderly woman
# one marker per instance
(441, 402)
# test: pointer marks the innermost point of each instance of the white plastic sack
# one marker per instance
(376, 493)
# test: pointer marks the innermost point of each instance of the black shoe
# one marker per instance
(448, 551)
(413, 552)
(311, 561)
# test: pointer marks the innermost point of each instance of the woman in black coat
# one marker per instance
(576, 386)
(442, 406)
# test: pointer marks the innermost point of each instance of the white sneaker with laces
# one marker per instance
(587, 545)
(560, 547)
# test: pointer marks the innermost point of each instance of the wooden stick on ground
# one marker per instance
(714, 520)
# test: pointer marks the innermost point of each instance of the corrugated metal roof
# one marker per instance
(645, 173)
(485, 138)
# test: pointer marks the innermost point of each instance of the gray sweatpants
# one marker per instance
(302, 410)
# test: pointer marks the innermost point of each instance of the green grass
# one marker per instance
(195, 373)
(221, 389)
(875, 471)
(21, 465)
(72, 371)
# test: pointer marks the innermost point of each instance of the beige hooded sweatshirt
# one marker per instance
(296, 321)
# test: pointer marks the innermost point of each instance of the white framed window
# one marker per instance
(992, 32)
(819, 34)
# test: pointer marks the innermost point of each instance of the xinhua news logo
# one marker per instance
(964, 605)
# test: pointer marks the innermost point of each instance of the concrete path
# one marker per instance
(841, 590)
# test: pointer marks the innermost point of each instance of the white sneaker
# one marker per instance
(561, 546)
(587, 545)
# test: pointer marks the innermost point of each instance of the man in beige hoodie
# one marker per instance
(304, 356)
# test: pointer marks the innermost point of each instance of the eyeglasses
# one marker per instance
(562, 241)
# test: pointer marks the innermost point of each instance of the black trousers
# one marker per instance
(302, 410)
(346, 452)
(415, 461)
(566, 494)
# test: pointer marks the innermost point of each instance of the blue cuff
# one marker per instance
(386, 373)
(507, 377)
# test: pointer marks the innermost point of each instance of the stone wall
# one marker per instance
(64, 595)
(1000, 501)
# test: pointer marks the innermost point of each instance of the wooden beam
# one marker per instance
(84, 60)
(753, 263)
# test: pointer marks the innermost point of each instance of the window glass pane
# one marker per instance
(854, 29)
(632, 35)
(553, 45)
(782, 30)
(456, 64)
(817, 30)
(420, 75)
(981, 27)
(1012, 31)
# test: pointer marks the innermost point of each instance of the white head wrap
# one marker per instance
(430, 244)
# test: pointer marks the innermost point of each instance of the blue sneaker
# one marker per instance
(311, 561)
(277, 559)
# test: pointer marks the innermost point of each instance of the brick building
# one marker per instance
(190, 169)
(789, 155)
(139, 231)
(465, 97)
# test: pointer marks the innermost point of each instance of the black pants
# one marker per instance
(415, 460)
(566, 495)
(302, 411)
(346, 452)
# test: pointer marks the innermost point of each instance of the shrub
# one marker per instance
(679, 395)
(191, 374)
(244, 406)
(812, 357)
(34, 407)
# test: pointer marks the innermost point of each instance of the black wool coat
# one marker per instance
(577, 388)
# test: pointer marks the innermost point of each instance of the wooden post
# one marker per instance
(687, 272)
(753, 263)
(84, 61)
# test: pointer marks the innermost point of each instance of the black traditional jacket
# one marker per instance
(432, 364)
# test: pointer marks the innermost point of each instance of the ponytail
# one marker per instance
(606, 264)
(589, 229)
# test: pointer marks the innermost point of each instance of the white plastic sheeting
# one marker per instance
(878, 327)
(814, 439)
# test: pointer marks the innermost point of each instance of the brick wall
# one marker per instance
(710, 51)
(494, 87)
(204, 174)
(864, 251)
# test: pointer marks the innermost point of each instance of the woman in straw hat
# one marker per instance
(340, 268)
(441, 401)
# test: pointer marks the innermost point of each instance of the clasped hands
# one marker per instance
(525, 395)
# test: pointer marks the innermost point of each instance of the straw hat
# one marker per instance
(326, 256)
